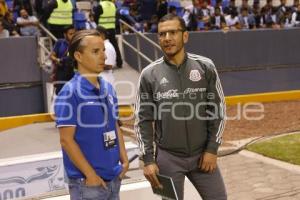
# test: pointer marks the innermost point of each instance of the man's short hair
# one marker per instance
(67, 28)
(170, 16)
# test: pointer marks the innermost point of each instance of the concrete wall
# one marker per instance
(21, 88)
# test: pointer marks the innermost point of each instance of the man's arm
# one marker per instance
(144, 110)
(216, 124)
(75, 154)
(123, 154)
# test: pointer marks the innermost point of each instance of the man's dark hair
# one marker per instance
(67, 28)
(102, 31)
(170, 16)
(76, 41)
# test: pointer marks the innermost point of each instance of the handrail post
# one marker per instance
(155, 53)
(138, 46)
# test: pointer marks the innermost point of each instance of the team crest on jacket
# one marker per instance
(195, 75)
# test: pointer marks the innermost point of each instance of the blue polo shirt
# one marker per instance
(93, 112)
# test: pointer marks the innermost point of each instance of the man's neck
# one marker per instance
(92, 78)
(177, 59)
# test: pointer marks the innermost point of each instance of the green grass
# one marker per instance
(285, 148)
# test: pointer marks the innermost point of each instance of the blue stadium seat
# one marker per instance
(79, 20)
(177, 5)
(174, 3)
(9, 4)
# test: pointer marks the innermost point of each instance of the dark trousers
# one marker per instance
(209, 186)
(57, 30)
(112, 38)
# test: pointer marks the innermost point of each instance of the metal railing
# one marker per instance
(46, 44)
(48, 32)
(138, 46)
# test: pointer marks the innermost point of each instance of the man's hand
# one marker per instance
(95, 180)
(125, 169)
(150, 172)
(208, 162)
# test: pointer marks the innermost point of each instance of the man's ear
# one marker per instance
(185, 37)
(77, 56)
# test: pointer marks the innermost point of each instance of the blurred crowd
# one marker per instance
(22, 17)
(204, 15)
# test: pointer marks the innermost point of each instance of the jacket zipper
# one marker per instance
(185, 122)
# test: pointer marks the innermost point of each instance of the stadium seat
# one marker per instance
(79, 20)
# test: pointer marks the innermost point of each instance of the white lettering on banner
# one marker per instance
(31, 179)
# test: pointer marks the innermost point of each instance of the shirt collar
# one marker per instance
(86, 85)
(173, 65)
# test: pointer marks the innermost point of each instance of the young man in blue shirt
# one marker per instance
(86, 112)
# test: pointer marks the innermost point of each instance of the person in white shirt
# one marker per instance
(232, 20)
(28, 24)
(90, 24)
(110, 60)
(296, 17)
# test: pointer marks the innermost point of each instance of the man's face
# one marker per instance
(69, 34)
(24, 13)
(92, 56)
(171, 37)
(244, 13)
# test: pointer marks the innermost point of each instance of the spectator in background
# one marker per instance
(110, 60)
(153, 24)
(28, 24)
(286, 20)
(147, 9)
(267, 8)
(206, 10)
(256, 14)
(3, 8)
(162, 8)
(10, 25)
(282, 8)
(217, 21)
(218, 5)
(191, 15)
(232, 20)
(3, 32)
(90, 24)
(60, 16)
(245, 4)
(204, 15)
(296, 17)
(172, 10)
(273, 19)
(18, 5)
(96, 10)
(108, 21)
(246, 20)
(228, 10)
(64, 69)
(295, 6)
